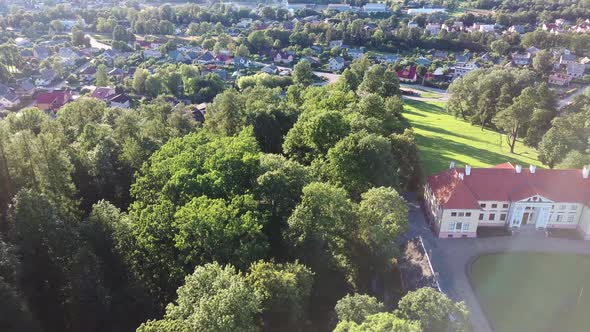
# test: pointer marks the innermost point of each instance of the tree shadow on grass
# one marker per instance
(435, 157)
(427, 107)
(445, 132)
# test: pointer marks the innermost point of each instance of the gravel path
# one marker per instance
(451, 258)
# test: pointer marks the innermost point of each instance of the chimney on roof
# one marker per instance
(585, 172)
(532, 169)
(452, 164)
(461, 176)
(518, 169)
(467, 170)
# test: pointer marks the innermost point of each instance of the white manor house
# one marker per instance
(459, 200)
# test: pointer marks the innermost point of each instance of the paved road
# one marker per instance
(452, 258)
(566, 101)
(97, 44)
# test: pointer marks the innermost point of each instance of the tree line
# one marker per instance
(279, 205)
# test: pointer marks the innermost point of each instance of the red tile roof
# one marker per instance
(407, 73)
(502, 183)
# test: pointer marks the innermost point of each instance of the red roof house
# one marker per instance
(52, 101)
(407, 75)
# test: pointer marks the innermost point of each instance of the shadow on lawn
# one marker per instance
(445, 132)
(426, 107)
(433, 153)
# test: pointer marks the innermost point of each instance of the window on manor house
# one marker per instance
(458, 226)
(574, 207)
(453, 214)
(467, 214)
(452, 226)
(559, 218)
(570, 218)
(505, 206)
(483, 205)
(481, 216)
(503, 216)
(492, 216)
(461, 214)
(562, 207)
(465, 226)
(494, 206)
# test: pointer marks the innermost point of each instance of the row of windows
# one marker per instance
(458, 226)
(492, 216)
(493, 206)
(460, 214)
(573, 207)
(570, 218)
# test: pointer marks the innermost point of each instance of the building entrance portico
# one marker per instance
(531, 212)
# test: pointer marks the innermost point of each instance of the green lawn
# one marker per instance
(534, 291)
(442, 138)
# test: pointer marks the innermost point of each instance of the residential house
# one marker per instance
(519, 29)
(336, 64)
(484, 27)
(407, 75)
(575, 70)
(117, 73)
(388, 58)
(9, 99)
(241, 62)
(156, 54)
(433, 28)
(269, 69)
(461, 71)
(418, 11)
(206, 58)
(459, 201)
(47, 76)
(283, 57)
(586, 61)
(440, 54)
(120, 101)
(22, 42)
(87, 74)
(25, 88)
(412, 25)
(103, 93)
(533, 50)
(521, 59)
(244, 23)
(375, 8)
(52, 101)
(341, 7)
(355, 53)
(422, 61)
(560, 79)
(336, 43)
(567, 59)
(40, 52)
(462, 59)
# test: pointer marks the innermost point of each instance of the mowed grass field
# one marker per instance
(533, 291)
(442, 138)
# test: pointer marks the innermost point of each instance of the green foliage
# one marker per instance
(101, 76)
(314, 134)
(285, 291)
(381, 322)
(303, 74)
(380, 80)
(433, 309)
(320, 228)
(356, 308)
(214, 298)
(361, 161)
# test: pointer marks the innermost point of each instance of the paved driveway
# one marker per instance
(452, 257)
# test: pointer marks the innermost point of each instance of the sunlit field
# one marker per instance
(534, 291)
(442, 138)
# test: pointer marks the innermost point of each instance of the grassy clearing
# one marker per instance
(442, 138)
(533, 291)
